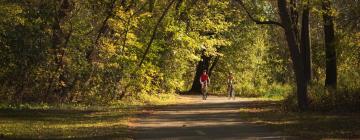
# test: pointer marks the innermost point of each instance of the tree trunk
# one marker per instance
(331, 73)
(305, 45)
(216, 60)
(151, 5)
(298, 64)
(294, 14)
(204, 64)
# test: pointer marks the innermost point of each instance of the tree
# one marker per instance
(60, 40)
(203, 64)
(211, 24)
(305, 44)
(288, 16)
(298, 63)
(329, 34)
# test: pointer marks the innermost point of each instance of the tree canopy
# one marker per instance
(104, 50)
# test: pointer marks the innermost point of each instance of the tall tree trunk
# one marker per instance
(305, 45)
(298, 64)
(329, 31)
(204, 64)
(289, 22)
(294, 14)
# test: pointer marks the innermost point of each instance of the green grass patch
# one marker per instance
(74, 121)
(152, 99)
(64, 123)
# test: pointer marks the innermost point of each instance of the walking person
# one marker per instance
(230, 86)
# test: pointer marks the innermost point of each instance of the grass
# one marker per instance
(307, 124)
(63, 124)
(157, 99)
(43, 121)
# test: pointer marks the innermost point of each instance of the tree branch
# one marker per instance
(102, 30)
(213, 65)
(154, 32)
(256, 20)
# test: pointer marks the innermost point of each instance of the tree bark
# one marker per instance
(329, 33)
(204, 64)
(211, 69)
(289, 22)
(298, 64)
(151, 5)
(294, 14)
(305, 45)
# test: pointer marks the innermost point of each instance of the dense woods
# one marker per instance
(99, 51)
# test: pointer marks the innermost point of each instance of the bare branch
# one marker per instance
(257, 21)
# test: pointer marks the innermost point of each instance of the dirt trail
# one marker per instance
(215, 118)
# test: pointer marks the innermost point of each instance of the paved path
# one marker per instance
(215, 118)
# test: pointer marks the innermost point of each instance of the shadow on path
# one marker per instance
(220, 118)
(216, 118)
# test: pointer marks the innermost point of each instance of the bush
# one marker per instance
(278, 91)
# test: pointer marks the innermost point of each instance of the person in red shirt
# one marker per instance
(204, 79)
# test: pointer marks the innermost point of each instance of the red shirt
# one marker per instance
(204, 77)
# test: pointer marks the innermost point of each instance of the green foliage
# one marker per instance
(344, 99)
(89, 51)
(251, 58)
